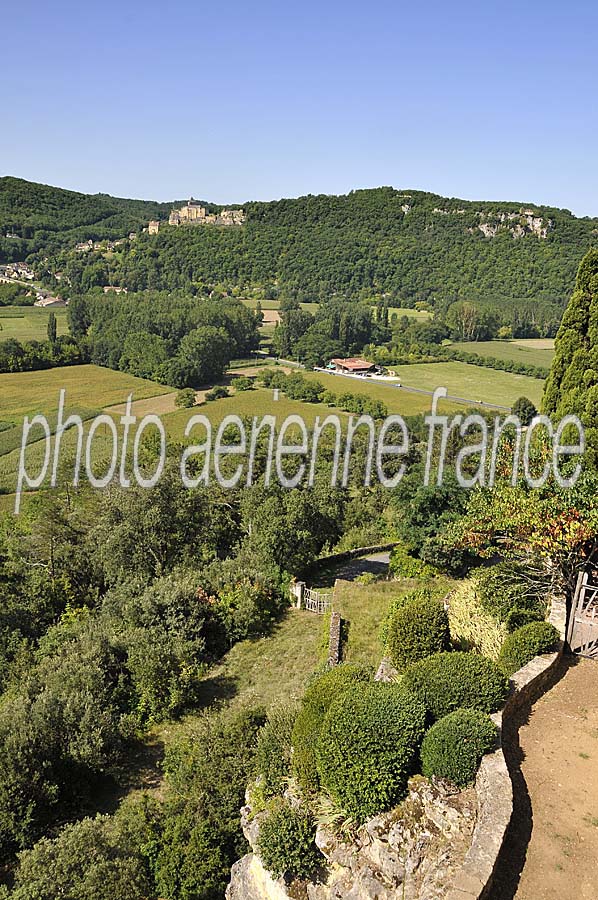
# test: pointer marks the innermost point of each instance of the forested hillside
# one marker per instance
(44, 218)
(410, 245)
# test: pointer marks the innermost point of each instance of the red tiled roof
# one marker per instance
(353, 363)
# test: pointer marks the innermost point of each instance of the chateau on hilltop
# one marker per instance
(195, 214)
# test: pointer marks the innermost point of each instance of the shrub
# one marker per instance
(454, 746)
(217, 393)
(522, 645)
(273, 758)
(472, 628)
(367, 746)
(286, 842)
(243, 383)
(417, 629)
(448, 681)
(185, 399)
(517, 618)
(403, 565)
(316, 701)
(395, 604)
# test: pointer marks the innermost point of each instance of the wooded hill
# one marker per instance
(411, 245)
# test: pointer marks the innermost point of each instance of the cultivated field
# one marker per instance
(92, 387)
(29, 323)
(533, 352)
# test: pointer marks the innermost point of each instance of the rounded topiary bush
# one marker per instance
(522, 645)
(417, 629)
(286, 842)
(449, 681)
(367, 747)
(316, 701)
(454, 746)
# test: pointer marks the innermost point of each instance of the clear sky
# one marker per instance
(233, 101)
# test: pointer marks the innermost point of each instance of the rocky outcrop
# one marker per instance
(416, 848)
(412, 851)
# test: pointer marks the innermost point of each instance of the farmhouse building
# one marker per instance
(352, 366)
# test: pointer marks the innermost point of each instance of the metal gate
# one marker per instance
(582, 633)
(317, 601)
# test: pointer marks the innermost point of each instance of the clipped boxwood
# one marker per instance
(417, 629)
(449, 681)
(454, 746)
(367, 747)
(286, 842)
(316, 701)
(398, 603)
(522, 645)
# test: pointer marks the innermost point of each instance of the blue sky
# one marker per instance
(236, 101)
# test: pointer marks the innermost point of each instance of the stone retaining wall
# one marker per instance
(334, 640)
(349, 554)
(493, 783)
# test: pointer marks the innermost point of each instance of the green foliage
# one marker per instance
(572, 386)
(517, 618)
(448, 681)
(185, 399)
(504, 587)
(367, 746)
(217, 393)
(454, 746)
(89, 859)
(243, 383)
(416, 629)
(404, 565)
(308, 724)
(524, 409)
(286, 842)
(472, 627)
(523, 645)
(273, 758)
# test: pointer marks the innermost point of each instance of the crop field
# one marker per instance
(26, 393)
(29, 323)
(531, 352)
(420, 314)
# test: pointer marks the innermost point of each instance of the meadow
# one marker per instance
(473, 383)
(530, 352)
(29, 323)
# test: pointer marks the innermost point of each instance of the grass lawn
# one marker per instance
(29, 323)
(262, 672)
(92, 387)
(515, 351)
(472, 382)
(364, 606)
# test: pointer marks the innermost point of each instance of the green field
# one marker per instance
(29, 323)
(398, 402)
(92, 387)
(471, 382)
(420, 314)
(511, 350)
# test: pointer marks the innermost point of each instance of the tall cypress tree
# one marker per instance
(572, 385)
(52, 328)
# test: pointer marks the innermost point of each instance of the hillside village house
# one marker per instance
(352, 366)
